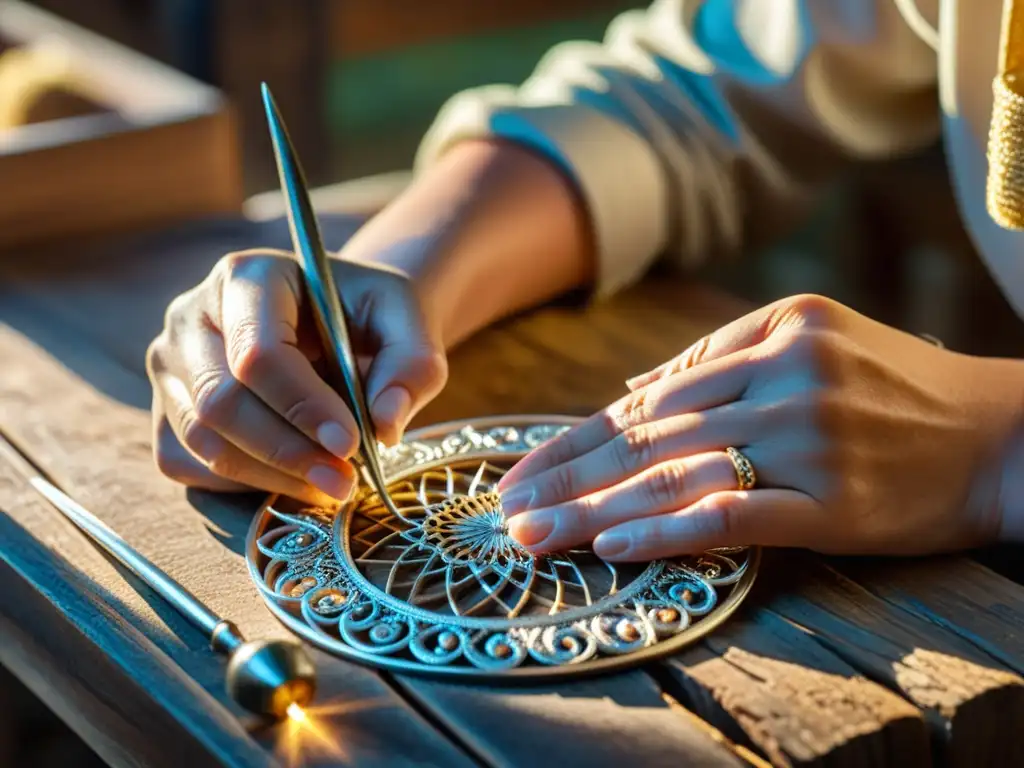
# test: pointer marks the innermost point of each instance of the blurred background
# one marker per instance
(369, 74)
(359, 82)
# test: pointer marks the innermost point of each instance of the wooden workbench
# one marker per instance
(850, 663)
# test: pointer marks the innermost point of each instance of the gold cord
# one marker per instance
(1005, 192)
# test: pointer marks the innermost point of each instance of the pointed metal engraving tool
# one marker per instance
(325, 300)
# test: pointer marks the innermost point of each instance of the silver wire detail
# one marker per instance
(442, 588)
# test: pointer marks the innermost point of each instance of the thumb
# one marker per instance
(742, 333)
(409, 366)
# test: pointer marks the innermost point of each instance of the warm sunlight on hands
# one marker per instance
(847, 423)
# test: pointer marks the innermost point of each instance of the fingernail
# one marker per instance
(391, 409)
(336, 439)
(611, 544)
(632, 383)
(530, 530)
(517, 500)
(330, 481)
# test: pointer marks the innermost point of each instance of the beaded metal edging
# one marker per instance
(444, 591)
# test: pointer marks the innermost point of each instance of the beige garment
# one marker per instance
(698, 127)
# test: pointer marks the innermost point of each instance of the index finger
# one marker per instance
(742, 333)
(697, 389)
(259, 319)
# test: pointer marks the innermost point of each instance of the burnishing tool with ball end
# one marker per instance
(270, 678)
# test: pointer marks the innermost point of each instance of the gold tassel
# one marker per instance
(1005, 193)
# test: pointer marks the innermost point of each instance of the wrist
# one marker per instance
(490, 230)
(1011, 489)
(987, 402)
(999, 489)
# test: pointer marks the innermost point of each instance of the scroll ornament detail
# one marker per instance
(446, 588)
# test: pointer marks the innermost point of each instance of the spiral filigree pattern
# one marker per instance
(443, 587)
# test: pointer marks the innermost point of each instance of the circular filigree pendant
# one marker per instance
(444, 589)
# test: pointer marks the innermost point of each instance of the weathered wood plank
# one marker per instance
(770, 685)
(78, 399)
(103, 688)
(971, 699)
(761, 681)
(620, 720)
(97, 448)
(564, 360)
(960, 595)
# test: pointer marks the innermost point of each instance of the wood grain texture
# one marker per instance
(772, 686)
(78, 400)
(576, 362)
(909, 626)
(97, 447)
(861, 680)
(623, 719)
(69, 642)
(124, 180)
(960, 595)
(968, 696)
(113, 477)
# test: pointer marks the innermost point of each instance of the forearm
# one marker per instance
(489, 230)
(700, 132)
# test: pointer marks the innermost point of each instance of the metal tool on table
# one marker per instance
(270, 678)
(342, 370)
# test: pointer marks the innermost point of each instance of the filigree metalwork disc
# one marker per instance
(444, 589)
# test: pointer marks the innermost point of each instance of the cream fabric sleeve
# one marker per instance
(696, 128)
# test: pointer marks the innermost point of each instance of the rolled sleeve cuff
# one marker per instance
(616, 172)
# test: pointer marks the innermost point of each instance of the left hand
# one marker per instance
(864, 439)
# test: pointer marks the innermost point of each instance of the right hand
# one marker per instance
(237, 402)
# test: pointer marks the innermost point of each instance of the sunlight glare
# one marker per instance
(316, 731)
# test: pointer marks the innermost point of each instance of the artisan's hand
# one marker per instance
(864, 440)
(238, 403)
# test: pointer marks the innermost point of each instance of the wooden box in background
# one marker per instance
(125, 144)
